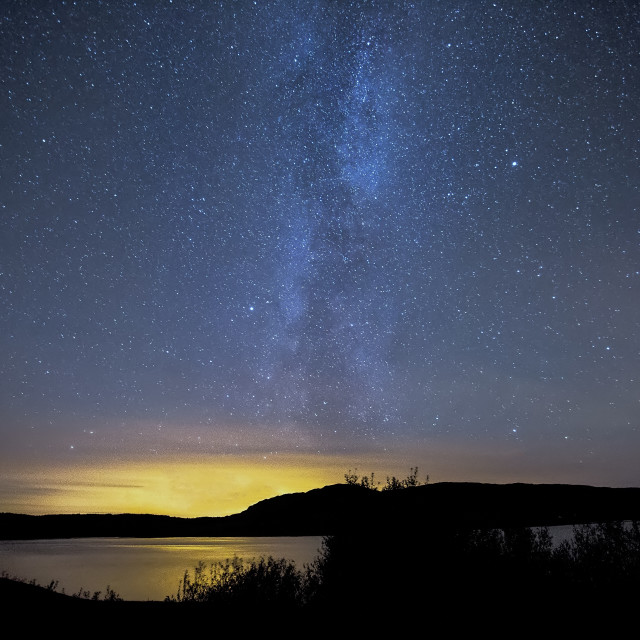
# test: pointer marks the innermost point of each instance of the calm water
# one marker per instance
(148, 568)
(138, 568)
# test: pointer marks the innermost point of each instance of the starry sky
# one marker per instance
(253, 244)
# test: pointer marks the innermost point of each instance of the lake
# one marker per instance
(148, 568)
(138, 568)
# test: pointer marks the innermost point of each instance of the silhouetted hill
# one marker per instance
(344, 508)
(38, 610)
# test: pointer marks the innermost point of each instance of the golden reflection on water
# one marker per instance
(138, 569)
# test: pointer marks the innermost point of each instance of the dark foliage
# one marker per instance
(451, 580)
(392, 484)
(261, 582)
(516, 567)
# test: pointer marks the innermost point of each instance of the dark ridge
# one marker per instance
(38, 609)
(342, 508)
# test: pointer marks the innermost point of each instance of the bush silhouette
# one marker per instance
(392, 484)
(601, 556)
(411, 480)
(517, 567)
(263, 581)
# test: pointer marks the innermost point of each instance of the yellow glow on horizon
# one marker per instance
(189, 488)
(218, 485)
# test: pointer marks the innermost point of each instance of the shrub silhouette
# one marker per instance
(601, 556)
(517, 567)
(263, 581)
(411, 480)
(352, 478)
(392, 484)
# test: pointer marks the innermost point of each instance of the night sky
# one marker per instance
(253, 244)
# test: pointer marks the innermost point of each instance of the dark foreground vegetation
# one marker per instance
(404, 573)
(459, 579)
(449, 558)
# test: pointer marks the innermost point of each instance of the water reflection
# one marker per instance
(149, 568)
(138, 569)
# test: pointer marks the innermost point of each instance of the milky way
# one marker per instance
(321, 225)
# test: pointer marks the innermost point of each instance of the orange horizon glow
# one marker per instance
(195, 486)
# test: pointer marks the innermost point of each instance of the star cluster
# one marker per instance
(321, 226)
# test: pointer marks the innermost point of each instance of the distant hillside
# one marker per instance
(339, 508)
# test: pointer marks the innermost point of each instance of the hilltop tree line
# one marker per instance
(392, 484)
